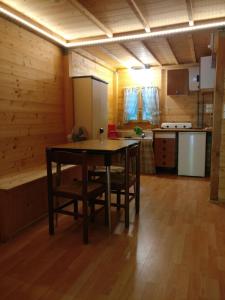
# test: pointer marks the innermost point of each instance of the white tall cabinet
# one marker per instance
(90, 104)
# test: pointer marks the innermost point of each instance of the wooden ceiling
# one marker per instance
(91, 19)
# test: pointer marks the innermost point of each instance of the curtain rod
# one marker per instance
(139, 87)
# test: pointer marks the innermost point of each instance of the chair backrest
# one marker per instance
(66, 158)
(133, 159)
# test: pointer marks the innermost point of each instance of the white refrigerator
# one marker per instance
(191, 153)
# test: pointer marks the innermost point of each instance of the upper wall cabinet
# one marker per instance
(177, 82)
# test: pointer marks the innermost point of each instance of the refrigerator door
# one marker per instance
(191, 153)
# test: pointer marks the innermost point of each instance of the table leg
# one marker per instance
(108, 196)
(127, 196)
(137, 204)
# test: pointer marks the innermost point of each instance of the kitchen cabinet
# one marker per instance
(90, 104)
(165, 150)
(177, 82)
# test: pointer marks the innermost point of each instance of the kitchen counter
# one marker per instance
(134, 138)
(166, 146)
(147, 163)
(182, 129)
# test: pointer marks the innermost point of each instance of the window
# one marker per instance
(131, 104)
(141, 104)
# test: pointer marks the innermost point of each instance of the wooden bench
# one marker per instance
(23, 199)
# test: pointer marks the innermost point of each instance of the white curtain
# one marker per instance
(150, 105)
(130, 104)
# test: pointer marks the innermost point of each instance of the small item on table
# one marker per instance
(101, 133)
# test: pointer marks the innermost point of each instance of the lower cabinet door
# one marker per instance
(165, 152)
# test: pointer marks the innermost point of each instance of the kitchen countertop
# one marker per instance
(182, 129)
(134, 138)
(147, 155)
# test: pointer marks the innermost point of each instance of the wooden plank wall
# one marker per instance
(173, 108)
(177, 108)
(222, 159)
(217, 165)
(81, 66)
(31, 97)
(68, 95)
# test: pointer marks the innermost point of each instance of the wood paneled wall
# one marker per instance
(178, 108)
(217, 156)
(172, 108)
(81, 66)
(31, 97)
(222, 159)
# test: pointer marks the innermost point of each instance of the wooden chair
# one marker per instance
(122, 182)
(85, 191)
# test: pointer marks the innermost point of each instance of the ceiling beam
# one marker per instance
(150, 52)
(91, 17)
(84, 53)
(106, 51)
(192, 47)
(180, 66)
(170, 67)
(171, 50)
(139, 14)
(132, 54)
(190, 12)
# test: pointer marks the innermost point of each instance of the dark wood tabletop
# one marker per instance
(104, 149)
(96, 146)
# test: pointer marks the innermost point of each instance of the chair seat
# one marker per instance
(117, 180)
(102, 169)
(75, 188)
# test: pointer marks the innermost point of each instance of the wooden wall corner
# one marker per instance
(217, 116)
(68, 95)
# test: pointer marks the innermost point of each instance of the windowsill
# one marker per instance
(138, 122)
(126, 132)
(145, 125)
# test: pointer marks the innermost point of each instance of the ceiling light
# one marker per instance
(109, 35)
(137, 67)
(191, 23)
(32, 26)
(147, 29)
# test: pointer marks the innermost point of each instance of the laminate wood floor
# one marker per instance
(174, 250)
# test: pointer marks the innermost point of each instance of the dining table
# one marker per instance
(101, 152)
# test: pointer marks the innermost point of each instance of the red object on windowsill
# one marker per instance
(112, 133)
